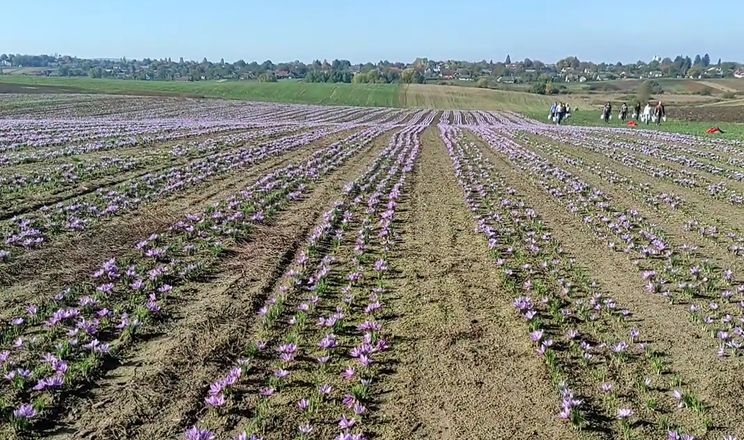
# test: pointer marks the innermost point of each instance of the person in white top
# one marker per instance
(646, 117)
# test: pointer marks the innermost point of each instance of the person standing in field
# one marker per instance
(553, 110)
(659, 112)
(623, 111)
(561, 112)
(646, 114)
(637, 110)
(607, 112)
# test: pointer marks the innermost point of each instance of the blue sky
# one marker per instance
(282, 30)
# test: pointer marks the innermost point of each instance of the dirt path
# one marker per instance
(719, 86)
(161, 386)
(466, 369)
(690, 352)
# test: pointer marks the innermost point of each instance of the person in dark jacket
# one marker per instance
(607, 112)
(637, 110)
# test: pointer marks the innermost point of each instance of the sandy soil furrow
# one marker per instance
(466, 369)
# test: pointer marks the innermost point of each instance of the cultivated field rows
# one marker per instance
(182, 268)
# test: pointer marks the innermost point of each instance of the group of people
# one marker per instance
(559, 111)
(650, 114)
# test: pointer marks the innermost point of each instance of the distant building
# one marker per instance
(739, 73)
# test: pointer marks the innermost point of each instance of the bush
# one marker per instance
(729, 95)
(705, 92)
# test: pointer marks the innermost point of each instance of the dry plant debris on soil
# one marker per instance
(197, 269)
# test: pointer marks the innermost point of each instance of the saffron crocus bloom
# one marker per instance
(348, 373)
(215, 388)
(381, 265)
(266, 391)
(359, 409)
(678, 395)
(215, 400)
(624, 413)
(303, 404)
(305, 428)
(621, 347)
(25, 411)
(345, 423)
(325, 390)
(364, 360)
(606, 387)
(199, 434)
(281, 373)
(328, 342)
(536, 335)
(634, 334)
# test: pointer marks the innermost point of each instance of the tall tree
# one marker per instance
(698, 61)
(706, 60)
(508, 60)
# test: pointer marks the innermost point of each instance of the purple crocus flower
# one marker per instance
(345, 423)
(303, 404)
(196, 433)
(25, 411)
(634, 334)
(348, 373)
(328, 342)
(266, 391)
(215, 400)
(625, 413)
(325, 390)
(49, 382)
(620, 347)
(381, 265)
(536, 336)
(678, 395)
(359, 409)
(305, 428)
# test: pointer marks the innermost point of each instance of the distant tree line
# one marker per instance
(486, 73)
